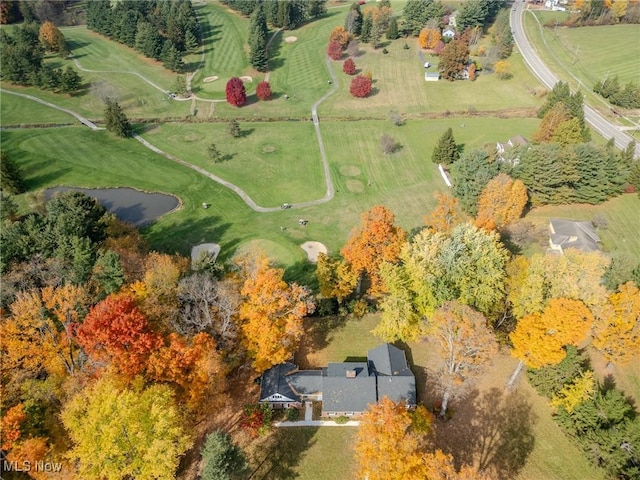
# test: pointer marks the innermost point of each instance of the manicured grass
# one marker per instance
(621, 213)
(16, 110)
(267, 162)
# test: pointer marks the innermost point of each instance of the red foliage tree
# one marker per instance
(263, 91)
(334, 50)
(349, 67)
(360, 86)
(116, 332)
(439, 48)
(236, 94)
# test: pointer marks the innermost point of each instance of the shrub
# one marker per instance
(349, 67)
(263, 91)
(235, 92)
(334, 50)
(385, 51)
(341, 420)
(360, 86)
(388, 144)
(291, 414)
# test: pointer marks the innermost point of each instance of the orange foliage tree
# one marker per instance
(550, 122)
(617, 327)
(116, 332)
(429, 37)
(540, 338)
(387, 445)
(464, 345)
(271, 313)
(341, 36)
(50, 36)
(501, 202)
(38, 335)
(11, 425)
(335, 276)
(377, 240)
(446, 215)
(193, 365)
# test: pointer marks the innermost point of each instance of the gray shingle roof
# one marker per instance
(273, 381)
(342, 394)
(305, 382)
(388, 360)
(573, 234)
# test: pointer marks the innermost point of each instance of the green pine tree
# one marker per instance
(70, 81)
(190, 41)
(392, 31)
(446, 150)
(11, 179)
(367, 27)
(116, 120)
(258, 39)
(234, 128)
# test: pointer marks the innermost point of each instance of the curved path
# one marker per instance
(80, 118)
(540, 70)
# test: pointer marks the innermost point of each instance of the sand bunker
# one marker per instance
(313, 249)
(290, 39)
(247, 79)
(204, 251)
(355, 186)
(350, 171)
(210, 79)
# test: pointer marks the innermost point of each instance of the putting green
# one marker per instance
(355, 186)
(276, 252)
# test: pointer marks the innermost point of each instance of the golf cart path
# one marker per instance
(241, 193)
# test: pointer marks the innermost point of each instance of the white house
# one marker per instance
(449, 33)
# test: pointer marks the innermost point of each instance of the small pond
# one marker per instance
(129, 205)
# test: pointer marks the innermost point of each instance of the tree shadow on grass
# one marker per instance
(282, 453)
(302, 272)
(318, 332)
(492, 430)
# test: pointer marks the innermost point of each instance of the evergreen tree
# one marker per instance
(221, 459)
(234, 128)
(392, 31)
(353, 22)
(258, 39)
(417, 13)
(634, 176)
(116, 120)
(214, 153)
(147, 40)
(446, 151)
(11, 179)
(471, 173)
(70, 81)
(367, 27)
(190, 41)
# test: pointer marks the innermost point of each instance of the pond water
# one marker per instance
(129, 205)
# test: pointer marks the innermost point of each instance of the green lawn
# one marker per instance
(16, 110)
(621, 213)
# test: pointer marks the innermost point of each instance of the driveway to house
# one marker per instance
(599, 123)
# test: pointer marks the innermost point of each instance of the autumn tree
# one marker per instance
(340, 35)
(502, 69)
(429, 37)
(221, 458)
(446, 150)
(501, 202)
(453, 59)
(334, 50)
(349, 66)
(271, 313)
(464, 346)
(116, 332)
(377, 240)
(11, 424)
(387, 444)
(336, 277)
(263, 91)
(193, 366)
(540, 338)
(556, 116)
(235, 92)
(141, 436)
(446, 215)
(435, 267)
(360, 86)
(616, 331)
(51, 38)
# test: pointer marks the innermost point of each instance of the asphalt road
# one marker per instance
(599, 123)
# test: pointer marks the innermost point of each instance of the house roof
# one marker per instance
(342, 394)
(518, 140)
(274, 381)
(398, 389)
(431, 74)
(573, 234)
(305, 382)
(388, 360)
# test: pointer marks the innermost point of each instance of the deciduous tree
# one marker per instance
(263, 91)
(556, 115)
(271, 313)
(446, 215)
(464, 346)
(340, 35)
(116, 332)
(360, 86)
(377, 240)
(334, 50)
(49, 36)
(617, 326)
(453, 59)
(501, 202)
(349, 66)
(235, 92)
(141, 431)
(336, 277)
(502, 69)
(429, 37)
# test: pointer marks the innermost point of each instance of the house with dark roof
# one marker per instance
(345, 388)
(515, 141)
(565, 234)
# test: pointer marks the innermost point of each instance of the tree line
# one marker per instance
(286, 14)
(161, 29)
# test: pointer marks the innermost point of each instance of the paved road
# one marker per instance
(599, 123)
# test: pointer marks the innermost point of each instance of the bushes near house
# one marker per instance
(291, 414)
(341, 420)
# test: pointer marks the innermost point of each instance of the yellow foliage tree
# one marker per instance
(501, 202)
(446, 215)
(271, 313)
(617, 326)
(550, 122)
(336, 277)
(429, 37)
(50, 36)
(340, 35)
(502, 69)
(573, 394)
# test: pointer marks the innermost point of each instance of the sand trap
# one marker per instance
(268, 149)
(204, 250)
(247, 79)
(350, 171)
(290, 39)
(210, 79)
(313, 249)
(355, 186)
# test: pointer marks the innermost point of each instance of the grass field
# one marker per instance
(621, 213)
(16, 110)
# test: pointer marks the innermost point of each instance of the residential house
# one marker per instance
(516, 141)
(565, 234)
(448, 33)
(345, 388)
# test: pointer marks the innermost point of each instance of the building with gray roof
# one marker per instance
(565, 234)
